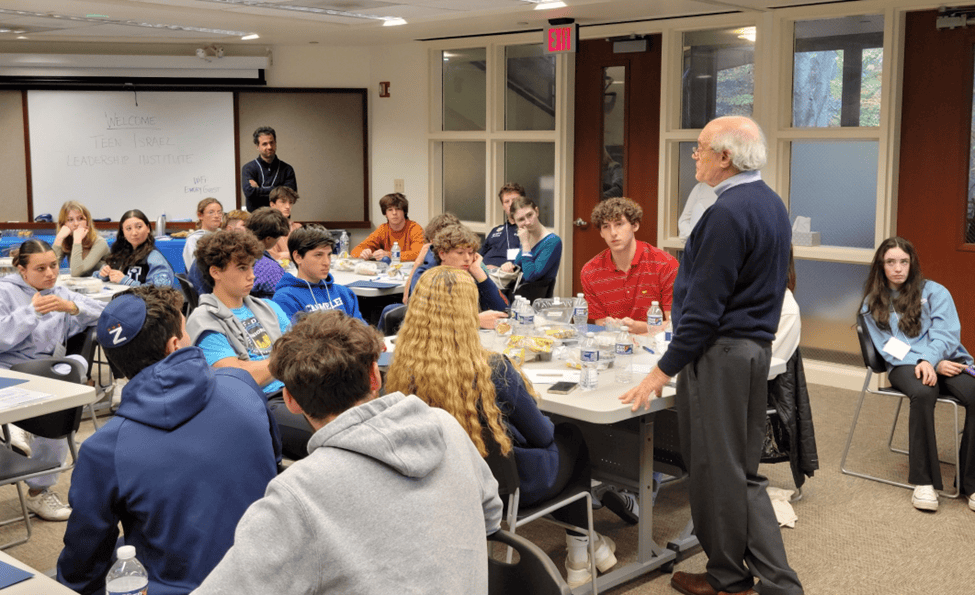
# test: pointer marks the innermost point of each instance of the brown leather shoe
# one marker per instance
(697, 584)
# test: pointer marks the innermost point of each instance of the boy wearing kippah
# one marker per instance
(187, 452)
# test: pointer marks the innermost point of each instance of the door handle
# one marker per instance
(580, 223)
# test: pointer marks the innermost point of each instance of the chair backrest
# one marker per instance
(504, 468)
(394, 320)
(871, 357)
(533, 574)
(59, 423)
(536, 289)
(191, 296)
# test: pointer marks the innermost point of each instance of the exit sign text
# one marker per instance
(561, 39)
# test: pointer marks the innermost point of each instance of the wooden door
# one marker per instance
(617, 126)
(936, 132)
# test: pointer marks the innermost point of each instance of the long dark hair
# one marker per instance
(123, 255)
(907, 303)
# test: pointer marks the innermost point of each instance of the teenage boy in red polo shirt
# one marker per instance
(622, 281)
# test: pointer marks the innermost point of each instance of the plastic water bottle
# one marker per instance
(580, 314)
(527, 318)
(344, 243)
(624, 356)
(589, 356)
(655, 317)
(161, 226)
(127, 576)
(396, 252)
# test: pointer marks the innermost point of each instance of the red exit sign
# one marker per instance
(562, 39)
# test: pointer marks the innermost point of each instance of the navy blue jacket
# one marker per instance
(732, 278)
(188, 451)
(496, 244)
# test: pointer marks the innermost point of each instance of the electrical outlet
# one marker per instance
(398, 186)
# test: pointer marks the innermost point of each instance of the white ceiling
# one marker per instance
(179, 21)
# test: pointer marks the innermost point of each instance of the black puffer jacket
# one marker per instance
(792, 428)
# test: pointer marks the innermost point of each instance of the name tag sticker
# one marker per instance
(513, 253)
(896, 348)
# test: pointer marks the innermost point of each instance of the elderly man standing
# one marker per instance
(727, 299)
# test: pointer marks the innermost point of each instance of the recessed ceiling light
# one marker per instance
(549, 5)
(250, 36)
(393, 22)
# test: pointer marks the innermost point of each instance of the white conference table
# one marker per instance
(64, 395)
(39, 583)
(348, 277)
(105, 292)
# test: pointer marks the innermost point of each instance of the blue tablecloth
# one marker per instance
(171, 248)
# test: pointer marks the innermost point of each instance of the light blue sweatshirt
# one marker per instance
(940, 336)
(26, 335)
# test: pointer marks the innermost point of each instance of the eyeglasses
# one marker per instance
(699, 149)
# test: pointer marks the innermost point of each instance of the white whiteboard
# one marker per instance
(114, 151)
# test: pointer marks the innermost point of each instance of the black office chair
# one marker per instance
(874, 363)
(534, 289)
(15, 467)
(191, 297)
(505, 471)
(533, 574)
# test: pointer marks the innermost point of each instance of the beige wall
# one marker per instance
(13, 202)
(397, 124)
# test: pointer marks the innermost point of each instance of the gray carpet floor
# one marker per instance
(853, 535)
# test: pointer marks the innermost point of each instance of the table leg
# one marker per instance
(650, 556)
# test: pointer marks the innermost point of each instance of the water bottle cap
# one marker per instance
(580, 295)
(626, 329)
(590, 334)
(654, 303)
(126, 552)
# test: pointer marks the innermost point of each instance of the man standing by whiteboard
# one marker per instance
(266, 171)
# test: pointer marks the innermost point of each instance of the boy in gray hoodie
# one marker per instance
(393, 494)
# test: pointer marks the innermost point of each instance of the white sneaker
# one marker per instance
(925, 498)
(971, 501)
(48, 506)
(20, 440)
(577, 573)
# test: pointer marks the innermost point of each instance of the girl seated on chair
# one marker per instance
(541, 249)
(77, 238)
(913, 324)
(38, 317)
(134, 259)
(439, 358)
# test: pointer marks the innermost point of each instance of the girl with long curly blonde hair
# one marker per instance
(439, 358)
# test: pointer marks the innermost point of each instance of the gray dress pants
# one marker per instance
(721, 403)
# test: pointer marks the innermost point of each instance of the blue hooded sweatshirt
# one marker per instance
(294, 294)
(185, 455)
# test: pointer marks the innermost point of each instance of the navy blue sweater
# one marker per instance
(732, 278)
(532, 433)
